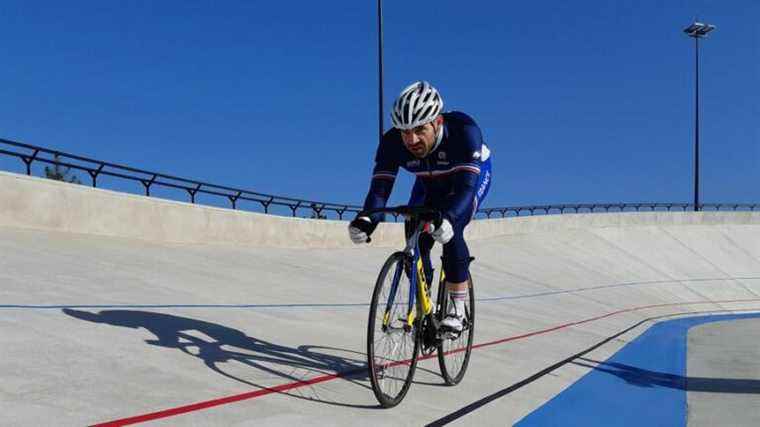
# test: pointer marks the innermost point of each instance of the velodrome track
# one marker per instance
(118, 309)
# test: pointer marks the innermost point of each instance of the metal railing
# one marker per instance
(30, 154)
(612, 207)
(96, 168)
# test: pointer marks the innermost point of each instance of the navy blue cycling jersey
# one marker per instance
(449, 173)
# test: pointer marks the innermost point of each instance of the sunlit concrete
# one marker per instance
(723, 367)
(125, 311)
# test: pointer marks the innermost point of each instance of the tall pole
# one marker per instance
(697, 30)
(696, 127)
(380, 66)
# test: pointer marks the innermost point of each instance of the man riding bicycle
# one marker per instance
(453, 168)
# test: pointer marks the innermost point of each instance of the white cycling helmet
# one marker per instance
(418, 104)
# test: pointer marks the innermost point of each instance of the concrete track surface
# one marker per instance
(124, 317)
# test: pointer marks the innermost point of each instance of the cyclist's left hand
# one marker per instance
(443, 233)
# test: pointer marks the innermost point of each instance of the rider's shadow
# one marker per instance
(646, 378)
(221, 344)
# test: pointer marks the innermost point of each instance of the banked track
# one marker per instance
(118, 318)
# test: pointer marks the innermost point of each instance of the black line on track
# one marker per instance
(516, 386)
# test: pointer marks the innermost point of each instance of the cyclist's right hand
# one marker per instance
(360, 229)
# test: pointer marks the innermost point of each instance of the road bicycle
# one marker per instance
(404, 322)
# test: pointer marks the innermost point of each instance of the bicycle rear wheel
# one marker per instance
(392, 344)
(454, 354)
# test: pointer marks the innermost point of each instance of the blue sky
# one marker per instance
(579, 101)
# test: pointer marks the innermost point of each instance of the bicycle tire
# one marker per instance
(384, 369)
(454, 355)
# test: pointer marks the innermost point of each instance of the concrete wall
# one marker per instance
(37, 203)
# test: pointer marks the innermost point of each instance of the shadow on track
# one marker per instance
(646, 378)
(221, 344)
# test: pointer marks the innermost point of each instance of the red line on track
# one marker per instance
(329, 377)
(224, 400)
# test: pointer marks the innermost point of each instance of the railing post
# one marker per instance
(147, 184)
(193, 191)
(94, 175)
(317, 210)
(234, 199)
(266, 204)
(28, 161)
(294, 208)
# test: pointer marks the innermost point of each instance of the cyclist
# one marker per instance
(453, 168)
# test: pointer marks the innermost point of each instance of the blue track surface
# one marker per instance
(643, 384)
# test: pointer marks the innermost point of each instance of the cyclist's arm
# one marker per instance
(379, 192)
(459, 203)
(383, 178)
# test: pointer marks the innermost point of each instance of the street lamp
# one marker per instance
(380, 65)
(697, 31)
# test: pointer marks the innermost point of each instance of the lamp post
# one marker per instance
(380, 64)
(697, 31)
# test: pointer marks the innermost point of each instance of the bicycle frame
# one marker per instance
(418, 283)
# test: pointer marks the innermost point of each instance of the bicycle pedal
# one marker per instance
(429, 350)
(452, 335)
(449, 334)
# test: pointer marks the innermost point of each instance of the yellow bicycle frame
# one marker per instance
(424, 301)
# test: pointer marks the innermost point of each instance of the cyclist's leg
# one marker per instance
(417, 198)
(456, 260)
(456, 254)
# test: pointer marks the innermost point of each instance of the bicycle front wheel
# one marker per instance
(454, 353)
(392, 344)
